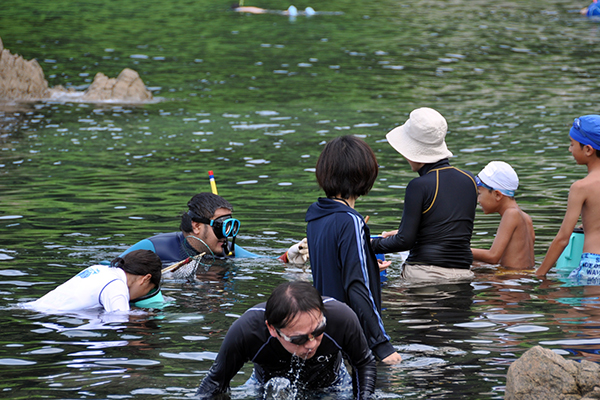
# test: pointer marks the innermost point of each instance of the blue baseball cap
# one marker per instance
(586, 130)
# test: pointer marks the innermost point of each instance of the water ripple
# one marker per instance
(196, 356)
(527, 328)
(16, 362)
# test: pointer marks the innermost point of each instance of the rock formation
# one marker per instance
(128, 86)
(19, 78)
(22, 80)
(541, 374)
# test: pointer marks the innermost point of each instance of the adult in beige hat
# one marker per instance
(421, 138)
(439, 205)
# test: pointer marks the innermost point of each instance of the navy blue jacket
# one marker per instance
(437, 220)
(345, 267)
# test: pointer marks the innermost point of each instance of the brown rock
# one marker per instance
(100, 89)
(20, 79)
(594, 395)
(542, 374)
(24, 80)
(588, 377)
(128, 86)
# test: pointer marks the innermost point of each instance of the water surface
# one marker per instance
(254, 98)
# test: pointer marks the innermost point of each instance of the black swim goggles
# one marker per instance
(223, 227)
(299, 340)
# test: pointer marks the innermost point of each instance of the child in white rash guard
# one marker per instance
(110, 287)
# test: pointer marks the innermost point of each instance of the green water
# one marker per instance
(254, 97)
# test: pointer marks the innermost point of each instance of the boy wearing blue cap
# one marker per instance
(513, 244)
(584, 200)
(592, 11)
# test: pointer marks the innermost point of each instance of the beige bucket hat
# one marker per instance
(421, 138)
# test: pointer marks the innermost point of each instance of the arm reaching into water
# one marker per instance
(574, 206)
(508, 224)
(404, 237)
(230, 359)
(359, 297)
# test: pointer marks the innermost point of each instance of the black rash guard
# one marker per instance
(248, 339)
(437, 220)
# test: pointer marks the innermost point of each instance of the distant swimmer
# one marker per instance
(292, 11)
(249, 9)
(592, 11)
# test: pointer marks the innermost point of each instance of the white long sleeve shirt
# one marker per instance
(95, 286)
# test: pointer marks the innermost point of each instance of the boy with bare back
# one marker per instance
(584, 200)
(513, 245)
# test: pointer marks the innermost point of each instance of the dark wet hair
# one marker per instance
(583, 145)
(204, 205)
(140, 262)
(288, 300)
(347, 167)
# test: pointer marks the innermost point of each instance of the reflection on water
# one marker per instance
(254, 98)
(450, 335)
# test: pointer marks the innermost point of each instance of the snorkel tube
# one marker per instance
(213, 184)
(213, 188)
(226, 251)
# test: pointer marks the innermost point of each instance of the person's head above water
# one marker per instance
(500, 176)
(143, 269)
(247, 9)
(592, 11)
(208, 223)
(586, 131)
(421, 138)
(294, 316)
(204, 205)
(347, 167)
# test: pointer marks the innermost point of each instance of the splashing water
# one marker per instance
(280, 388)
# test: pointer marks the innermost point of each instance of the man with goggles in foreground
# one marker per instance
(296, 340)
(206, 227)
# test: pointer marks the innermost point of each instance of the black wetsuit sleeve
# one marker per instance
(409, 225)
(366, 376)
(232, 356)
(359, 297)
(356, 350)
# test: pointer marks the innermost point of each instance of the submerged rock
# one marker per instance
(542, 374)
(19, 78)
(128, 86)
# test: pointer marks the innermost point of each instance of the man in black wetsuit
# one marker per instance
(298, 336)
(207, 227)
(439, 205)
